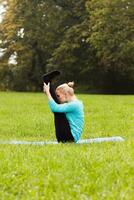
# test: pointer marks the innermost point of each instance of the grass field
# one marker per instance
(66, 171)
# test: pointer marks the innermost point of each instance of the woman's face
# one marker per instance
(62, 97)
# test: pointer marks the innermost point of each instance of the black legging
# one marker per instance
(62, 127)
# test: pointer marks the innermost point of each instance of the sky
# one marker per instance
(1, 11)
(12, 59)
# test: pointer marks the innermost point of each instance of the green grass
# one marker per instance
(66, 171)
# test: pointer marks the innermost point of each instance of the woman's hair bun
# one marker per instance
(70, 84)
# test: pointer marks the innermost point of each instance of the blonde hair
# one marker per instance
(66, 87)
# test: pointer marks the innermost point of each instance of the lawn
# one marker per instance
(66, 171)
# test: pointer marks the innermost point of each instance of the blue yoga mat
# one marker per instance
(82, 141)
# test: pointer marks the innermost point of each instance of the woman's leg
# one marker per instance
(62, 127)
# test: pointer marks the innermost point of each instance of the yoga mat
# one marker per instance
(82, 141)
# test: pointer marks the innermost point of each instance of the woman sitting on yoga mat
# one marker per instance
(67, 109)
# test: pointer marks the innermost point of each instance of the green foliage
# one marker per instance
(72, 54)
(111, 35)
(90, 41)
(38, 20)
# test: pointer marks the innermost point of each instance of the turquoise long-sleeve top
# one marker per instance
(74, 113)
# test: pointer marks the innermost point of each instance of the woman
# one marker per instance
(68, 111)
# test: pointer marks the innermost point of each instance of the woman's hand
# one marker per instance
(46, 88)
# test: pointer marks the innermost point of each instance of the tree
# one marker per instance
(29, 30)
(111, 35)
(73, 55)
